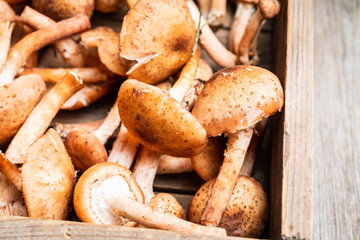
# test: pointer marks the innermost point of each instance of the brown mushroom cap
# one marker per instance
(85, 149)
(158, 121)
(246, 212)
(48, 178)
(109, 6)
(237, 98)
(159, 35)
(61, 9)
(269, 8)
(97, 183)
(166, 203)
(17, 100)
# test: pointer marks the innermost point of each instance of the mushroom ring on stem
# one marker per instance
(233, 101)
(96, 201)
(158, 121)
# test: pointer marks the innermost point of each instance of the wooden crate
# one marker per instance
(289, 185)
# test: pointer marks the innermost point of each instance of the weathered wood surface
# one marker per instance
(337, 120)
(291, 171)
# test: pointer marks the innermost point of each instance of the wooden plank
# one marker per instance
(337, 120)
(291, 180)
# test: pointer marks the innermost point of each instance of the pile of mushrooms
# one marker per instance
(171, 113)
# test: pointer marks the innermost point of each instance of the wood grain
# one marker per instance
(291, 170)
(337, 120)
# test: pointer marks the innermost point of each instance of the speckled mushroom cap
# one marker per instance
(237, 98)
(17, 100)
(48, 178)
(61, 9)
(166, 203)
(159, 35)
(158, 121)
(246, 212)
(99, 183)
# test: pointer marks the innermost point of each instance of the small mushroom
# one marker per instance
(40, 117)
(61, 9)
(32, 42)
(87, 148)
(96, 201)
(233, 101)
(47, 164)
(17, 100)
(166, 203)
(67, 47)
(158, 37)
(109, 6)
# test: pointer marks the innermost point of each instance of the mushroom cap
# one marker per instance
(48, 178)
(269, 8)
(158, 121)
(246, 212)
(159, 35)
(99, 182)
(109, 6)
(166, 203)
(85, 149)
(61, 9)
(237, 98)
(207, 163)
(17, 100)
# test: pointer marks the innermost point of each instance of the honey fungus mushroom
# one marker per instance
(158, 36)
(233, 101)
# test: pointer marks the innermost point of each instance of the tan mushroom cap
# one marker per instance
(207, 163)
(99, 182)
(48, 178)
(269, 8)
(166, 203)
(159, 35)
(85, 149)
(17, 100)
(246, 212)
(109, 6)
(158, 121)
(61, 9)
(237, 98)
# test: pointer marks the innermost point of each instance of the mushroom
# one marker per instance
(170, 165)
(6, 12)
(233, 101)
(209, 41)
(11, 199)
(61, 9)
(266, 9)
(17, 100)
(109, 6)
(67, 47)
(107, 42)
(245, 214)
(158, 37)
(166, 203)
(96, 201)
(87, 148)
(6, 29)
(47, 164)
(64, 128)
(36, 40)
(40, 117)
(217, 12)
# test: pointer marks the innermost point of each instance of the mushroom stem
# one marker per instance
(67, 47)
(6, 29)
(41, 116)
(209, 41)
(217, 13)
(144, 215)
(170, 165)
(10, 171)
(229, 172)
(242, 16)
(52, 75)
(38, 39)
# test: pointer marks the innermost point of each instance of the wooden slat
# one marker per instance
(291, 182)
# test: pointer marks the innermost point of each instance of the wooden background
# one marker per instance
(336, 192)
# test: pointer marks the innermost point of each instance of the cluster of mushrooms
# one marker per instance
(170, 115)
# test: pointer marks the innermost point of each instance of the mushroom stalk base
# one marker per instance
(146, 216)
(229, 172)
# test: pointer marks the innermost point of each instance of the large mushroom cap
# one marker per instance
(17, 100)
(48, 178)
(159, 35)
(158, 121)
(102, 181)
(245, 214)
(237, 98)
